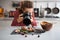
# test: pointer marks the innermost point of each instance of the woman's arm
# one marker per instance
(34, 23)
(14, 22)
(17, 21)
(20, 18)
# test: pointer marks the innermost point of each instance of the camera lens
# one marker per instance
(26, 21)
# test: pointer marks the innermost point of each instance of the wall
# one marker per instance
(7, 4)
(50, 5)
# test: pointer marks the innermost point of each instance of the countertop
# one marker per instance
(53, 34)
(36, 18)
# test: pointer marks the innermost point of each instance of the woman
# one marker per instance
(18, 20)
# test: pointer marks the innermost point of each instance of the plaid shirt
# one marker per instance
(15, 23)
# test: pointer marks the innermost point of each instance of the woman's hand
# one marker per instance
(31, 20)
(20, 18)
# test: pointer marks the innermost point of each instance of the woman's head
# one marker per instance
(27, 6)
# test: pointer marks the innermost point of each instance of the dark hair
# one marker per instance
(27, 4)
(20, 10)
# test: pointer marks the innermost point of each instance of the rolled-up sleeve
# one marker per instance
(34, 23)
(13, 23)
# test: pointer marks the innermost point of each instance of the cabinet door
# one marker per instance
(36, 12)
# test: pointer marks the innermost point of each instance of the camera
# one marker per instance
(26, 18)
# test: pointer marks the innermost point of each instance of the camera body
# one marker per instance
(26, 15)
(26, 18)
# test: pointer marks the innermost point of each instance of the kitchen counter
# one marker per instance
(6, 19)
(53, 34)
(37, 18)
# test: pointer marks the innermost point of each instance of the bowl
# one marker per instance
(46, 25)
